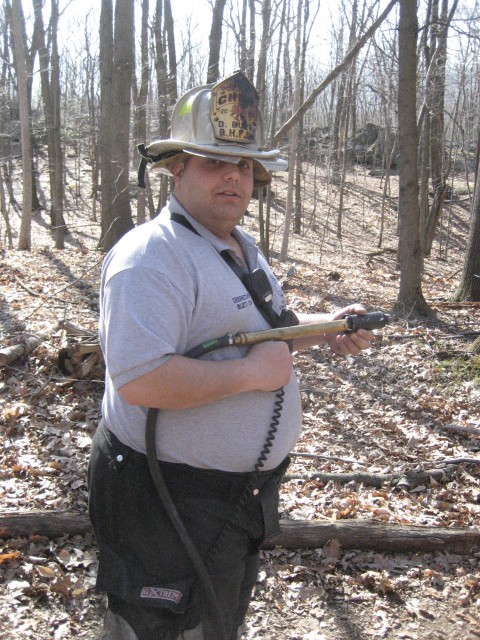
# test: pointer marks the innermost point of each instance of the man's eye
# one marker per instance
(244, 165)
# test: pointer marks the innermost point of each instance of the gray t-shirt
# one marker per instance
(164, 290)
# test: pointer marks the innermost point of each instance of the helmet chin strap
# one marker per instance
(149, 158)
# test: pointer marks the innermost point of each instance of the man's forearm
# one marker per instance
(181, 383)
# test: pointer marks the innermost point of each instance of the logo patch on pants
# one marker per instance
(160, 593)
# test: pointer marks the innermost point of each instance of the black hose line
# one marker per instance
(168, 503)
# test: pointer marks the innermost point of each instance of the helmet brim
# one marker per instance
(264, 162)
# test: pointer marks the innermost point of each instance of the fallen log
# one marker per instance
(295, 534)
(376, 536)
(25, 345)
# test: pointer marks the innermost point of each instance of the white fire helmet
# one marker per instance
(222, 122)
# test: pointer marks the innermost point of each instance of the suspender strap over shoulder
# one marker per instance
(255, 282)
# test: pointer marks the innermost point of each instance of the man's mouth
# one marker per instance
(230, 194)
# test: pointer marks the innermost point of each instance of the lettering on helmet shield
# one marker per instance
(234, 109)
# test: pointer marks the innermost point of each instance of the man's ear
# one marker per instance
(177, 170)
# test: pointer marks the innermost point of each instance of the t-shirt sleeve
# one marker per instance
(145, 320)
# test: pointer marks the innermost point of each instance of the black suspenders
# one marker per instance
(256, 282)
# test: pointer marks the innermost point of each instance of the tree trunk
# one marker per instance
(50, 86)
(265, 224)
(24, 346)
(165, 84)
(215, 40)
(436, 104)
(106, 126)
(58, 189)
(294, 138)
(116, 213)
(18, 27)
(172, 56)
(140, 101)
(250, 62)
(262, 90)
(91, 98)
(123, 60)
(6, 218)
(410, 298)
(365, 534)
(469, 288)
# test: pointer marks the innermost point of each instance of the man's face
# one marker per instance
(214, 192)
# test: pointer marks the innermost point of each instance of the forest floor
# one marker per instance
(411, 402)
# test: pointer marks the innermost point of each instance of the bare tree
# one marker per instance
(50, 84)
(469, 288)
(264, 221)
(90, 70)
(434, 119)
(410, 256)
(117, 60)
(106, 127)
(19, 41)
(294, 137)
(349, 57)
(140, 95)
(215, 40)
(165, 67)
(172, 56)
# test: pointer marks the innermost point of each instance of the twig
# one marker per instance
(407, 481)
(27, 289)
(314, 456)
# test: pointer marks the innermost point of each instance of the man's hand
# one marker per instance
(346, 344)
(342, 343)
(271, 364)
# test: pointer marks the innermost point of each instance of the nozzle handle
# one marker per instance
(373, 320)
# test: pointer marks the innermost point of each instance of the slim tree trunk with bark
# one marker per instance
(294, 138)
(436, 104)
(58, 185)
(117, 215)
(50, 84)
(469, 288)
(140, 101)
(172, 56)
(165, 67)
(410, 298)
(215, 40)
(106, 126)
(18, 27)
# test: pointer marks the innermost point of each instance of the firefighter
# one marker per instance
(223, 429)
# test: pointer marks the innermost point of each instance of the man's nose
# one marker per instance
(231, 171)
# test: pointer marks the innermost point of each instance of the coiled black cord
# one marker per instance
(272, 432)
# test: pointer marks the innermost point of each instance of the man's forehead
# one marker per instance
(219, 157)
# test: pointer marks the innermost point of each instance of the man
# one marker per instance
(222, 436)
